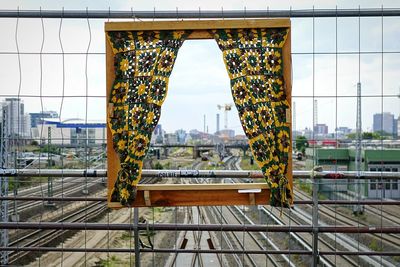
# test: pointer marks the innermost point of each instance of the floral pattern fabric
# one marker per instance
(253, 59)
(143, 61)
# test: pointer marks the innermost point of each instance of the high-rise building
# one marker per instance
(158, 135)
(343, 130)
(181, 136)
(321, 129)
(18, 123)
(384, 122)
(37, 117)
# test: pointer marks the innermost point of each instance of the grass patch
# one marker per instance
(115, 261)
(304, 186)
(245, 164)
(373, 245)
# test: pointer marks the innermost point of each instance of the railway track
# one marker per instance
(326, 240)
(230, 215)
(303, 240)
(209, 240)
(392, 217)
(42, 238)
(67, 189)
(391, 240)
(196, 240)
(65, 186)
(232, 240)
(254, 241)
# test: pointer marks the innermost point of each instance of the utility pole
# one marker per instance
(358, 159)
(358, 130)
(4, 142)
(49, 159)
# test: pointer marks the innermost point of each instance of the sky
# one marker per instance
(199, 81)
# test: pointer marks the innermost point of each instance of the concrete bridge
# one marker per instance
(201, 148)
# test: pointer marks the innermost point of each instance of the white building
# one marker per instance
(70, 132)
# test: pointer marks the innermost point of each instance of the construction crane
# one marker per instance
(226, 108)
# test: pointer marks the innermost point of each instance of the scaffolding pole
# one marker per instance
(201, 227)
(199, 14)
(136, 236)
(210, 174)
(4, 186)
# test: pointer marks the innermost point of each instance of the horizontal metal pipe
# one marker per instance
(366, 253)
(197, 174)
(201, 251)
(199, 227)
(296, 202)
(157, 250)
(199, 14)
(350, 202)
(61, 199)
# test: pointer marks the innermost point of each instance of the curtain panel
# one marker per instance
(143, 61)
(253, 59)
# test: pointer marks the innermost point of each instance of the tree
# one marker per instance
(366, 136)
(384, 135)
(370, 136)
(301, 143)
(34, 143)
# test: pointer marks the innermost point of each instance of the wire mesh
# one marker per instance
(51, 60)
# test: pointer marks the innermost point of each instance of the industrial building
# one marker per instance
(37, 117)
(343, 159)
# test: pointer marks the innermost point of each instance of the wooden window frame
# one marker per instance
(151, 195)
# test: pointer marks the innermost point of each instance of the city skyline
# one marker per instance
(31, 122)
(199, 81)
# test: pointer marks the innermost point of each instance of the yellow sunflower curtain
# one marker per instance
(143, 61)
(253, 59)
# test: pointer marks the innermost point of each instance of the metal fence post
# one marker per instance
(4, 141)
(136, 237)
(49, 164)
(315, 251)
